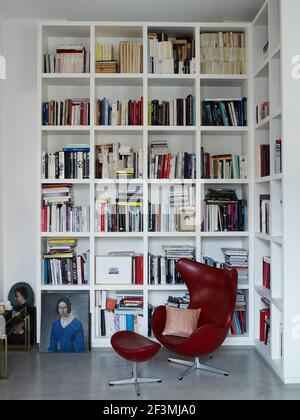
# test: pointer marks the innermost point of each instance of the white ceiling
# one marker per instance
(132, 10)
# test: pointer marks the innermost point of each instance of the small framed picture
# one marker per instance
(187, 220)
(113, 270)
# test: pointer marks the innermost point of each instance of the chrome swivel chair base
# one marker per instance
(135, 380)
(196, 365)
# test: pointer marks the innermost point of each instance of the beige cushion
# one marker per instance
(181, 322)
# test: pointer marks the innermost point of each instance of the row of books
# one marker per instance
(162, 269)
(224, 212)
(171, 219)
(171, 55)
(172, 209)
(225, 113)
(236, 258)
(73, 162)
(68, 58)
(238, 325)
(223, 53)
(65, 218)
(59, 213)
(118, 312)
(229, 166)
(179, 112)
(265, 160)
(67, 112)
(164, 165)
(170, 166)
(264, 219)
(262, 111)
(121, 212)
(114, 161)
(120, 267)
(266, 272)
(62, 265)
(121, 112)
(104, 52)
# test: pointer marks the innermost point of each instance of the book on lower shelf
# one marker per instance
(73, 162)
(223, 53)
(223, 166)
(177, 112)
(267, 272)
(119, 208)
(224, 212)
(224, 113)
(239, 322)
(120, 268)
(162, 269)
(68, 112)
(262, 111)
(118, 311)
(121, 112)
(264, 205)
(172, 209)
(265, 160)
(62, 265)
(265, 322)
(59, 214)
(162, 164)
(278, 156)
(116, 161)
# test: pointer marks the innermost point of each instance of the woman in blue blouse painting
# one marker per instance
(67, 332)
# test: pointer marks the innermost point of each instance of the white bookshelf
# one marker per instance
(267, 83)
(132, 86)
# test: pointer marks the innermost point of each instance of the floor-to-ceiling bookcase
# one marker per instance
(216, 140)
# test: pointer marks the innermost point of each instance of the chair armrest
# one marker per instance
(205, 340)
(158, 321)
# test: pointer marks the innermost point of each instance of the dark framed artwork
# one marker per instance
(65, 323)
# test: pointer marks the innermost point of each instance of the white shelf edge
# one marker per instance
(263, 124)
(264, 351)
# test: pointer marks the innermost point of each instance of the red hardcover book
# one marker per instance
(44, 219)
(139, 267)
(266, 273)
(242, 322)
(233, 328)
(264, 313)
(142, 110)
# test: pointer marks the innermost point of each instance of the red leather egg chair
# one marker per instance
(213, 291)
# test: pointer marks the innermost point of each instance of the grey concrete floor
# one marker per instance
(36, 376)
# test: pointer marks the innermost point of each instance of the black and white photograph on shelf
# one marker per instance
(65, 323)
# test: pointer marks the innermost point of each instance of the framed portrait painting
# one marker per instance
(65, 323)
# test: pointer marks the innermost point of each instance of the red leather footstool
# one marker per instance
(137, 349)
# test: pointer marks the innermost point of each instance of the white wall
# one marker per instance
(2, 91)
(20, 153)
(291, 116)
